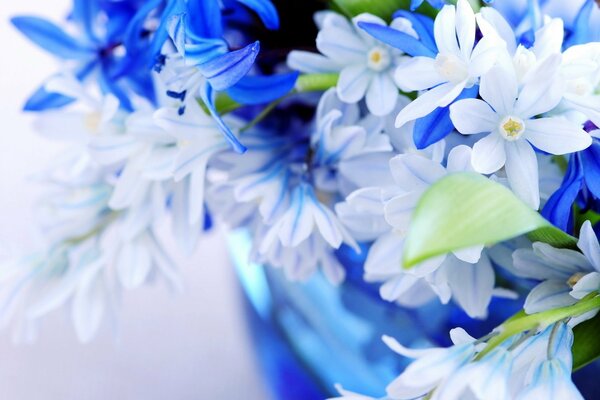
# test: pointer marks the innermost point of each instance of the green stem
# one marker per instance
(534, 321)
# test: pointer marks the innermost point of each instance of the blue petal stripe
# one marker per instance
(397, 39)
(226, 70)
(265, 10)
(590, 161)
(262, 89)
(84, 12)
(581, 27)
(51, 38)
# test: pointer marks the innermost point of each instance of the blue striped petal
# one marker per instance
(204, 50)
(581, 27)
(590, 160)
(262, 89)
(265, 10)
(207, 95)
(51, 38)
(84, 13)
(397, 39)
(225, 71)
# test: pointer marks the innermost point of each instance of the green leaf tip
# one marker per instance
(466, 209)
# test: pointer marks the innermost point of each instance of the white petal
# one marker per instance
(472, 285)
(485, 55)
(444, 30)
(342, 45)
(398, 211)
(460, 336)
(556, 135)
(417, 73)
(88, 305)
(382, 95)
(472, 116)
(133, 264)
(549, 39)
(541, 95)
(396, 347)
(495, 24)
(311, 63)
(588, 244)
(396, 287)
(412, 171)
(489, 154)
(470, 254)
(499, 89)
(465, 27)
(522, 171)
(548, 295)
(327, 224)
(428, 101)
(586, 285)
(353, 83)
(459, 159)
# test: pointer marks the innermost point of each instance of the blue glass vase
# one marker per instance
(311, 335)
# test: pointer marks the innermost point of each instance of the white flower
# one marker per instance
(348, 395)
(366, 66)
(552, 380)
(430, 368)
(458, 64)
(567, 275)
(508, 117)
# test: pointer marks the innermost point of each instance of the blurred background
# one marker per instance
(189, 346)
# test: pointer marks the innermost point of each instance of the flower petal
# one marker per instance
(489, 154)
(556, 135)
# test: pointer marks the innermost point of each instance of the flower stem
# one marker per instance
(525, 323)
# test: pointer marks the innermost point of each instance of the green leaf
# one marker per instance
(586, 347)
(466, 209)
(381, 8)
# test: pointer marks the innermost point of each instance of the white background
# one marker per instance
(191, 346)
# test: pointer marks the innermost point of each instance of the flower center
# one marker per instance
(572, 281)
(451, 67)
(511, 128)
(379, 59)
(92, 122)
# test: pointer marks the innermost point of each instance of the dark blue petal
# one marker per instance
(226, 70)
(581, 27)
(262, 89)
(422, 25)
(590, 161)
(397, 39)
(208, 98)
(265, 10)
(135, 28)
(559, 208)
(437, 125)
(205, 18)
(51, 38)
(173, 8)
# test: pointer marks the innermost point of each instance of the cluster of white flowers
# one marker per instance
(400, 107)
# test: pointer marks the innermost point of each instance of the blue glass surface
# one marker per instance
(310, 336)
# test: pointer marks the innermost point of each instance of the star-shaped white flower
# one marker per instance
(508, 116)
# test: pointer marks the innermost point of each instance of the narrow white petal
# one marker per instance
(425, 103)
(412, 171)
(472, 116)
(548, 295)
(382, 95)
(588, 244)
(353, 83)
(417, 73)
(556, 135)
(311, 63)
(472, 285)
(489, 154)
(499, 89)
(465, 27)
(444, 31)
(522, 171)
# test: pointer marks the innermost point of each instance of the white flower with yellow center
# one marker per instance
(366, 66)
(509, 116)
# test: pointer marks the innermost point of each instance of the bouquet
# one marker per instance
(454, 146)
